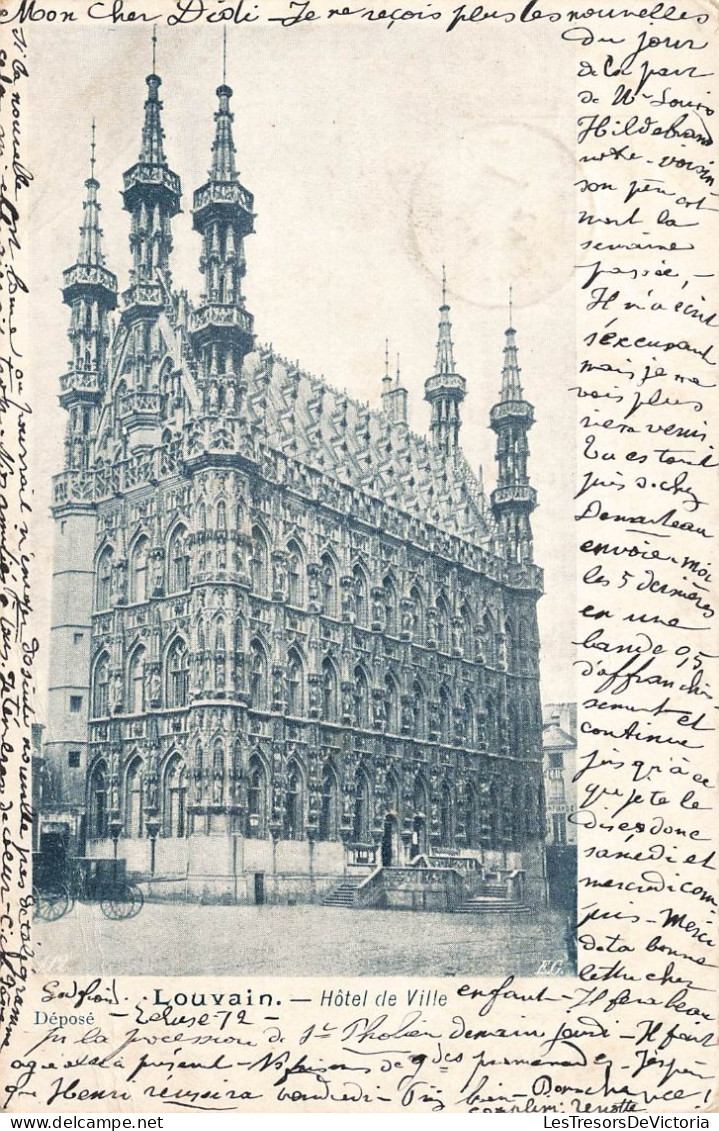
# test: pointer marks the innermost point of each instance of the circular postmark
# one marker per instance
(500, 197)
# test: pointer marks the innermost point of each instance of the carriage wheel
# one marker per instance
(137, 900)
(53, 903)
(122, 902)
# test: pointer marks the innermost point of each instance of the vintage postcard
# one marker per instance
(358, 512)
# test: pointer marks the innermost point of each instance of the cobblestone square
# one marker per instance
(189, 939)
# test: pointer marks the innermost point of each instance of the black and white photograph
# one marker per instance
(357, 524)
(309, 457)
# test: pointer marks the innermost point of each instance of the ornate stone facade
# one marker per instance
(280, 618)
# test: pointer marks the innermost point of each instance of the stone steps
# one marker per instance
(492, 905)
(343, 894)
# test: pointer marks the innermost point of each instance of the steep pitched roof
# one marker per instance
(318, 424)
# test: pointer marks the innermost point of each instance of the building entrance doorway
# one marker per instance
(390, 842)
(419, 835)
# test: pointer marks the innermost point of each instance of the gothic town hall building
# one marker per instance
(292, 641)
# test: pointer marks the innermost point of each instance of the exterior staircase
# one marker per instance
(491, 898)
(343, 894)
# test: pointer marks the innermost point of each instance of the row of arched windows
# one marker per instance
(173, 798)
(519, 820)
(174, 691)
(386, 608)
(176, 569)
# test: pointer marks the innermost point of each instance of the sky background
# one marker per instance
(374, 156)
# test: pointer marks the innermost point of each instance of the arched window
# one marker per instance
(138, 570)
(218, 772)
(470, 720)
(361, 596)
(294, 803)
(529, 813)
(134, 815)
(260, 563)
(389, 600)
(174, 797)
(470, 817)
(104, 579)
(419, 722)
(177, 688)
(97, 802)
(361, 697)
(257, 799)
(101, 687)
(258, 676)
(419, 822)
(202, 517)
(517, 817)
(178, 571)
(445, 715)
(295, 575)
(467, 632)
(361, 813)
(495, 817)
(443, 632)
(222, 515)
(391, 704)
(220, 657)
(329, 809)
(329, 690)
(491, 713)
(199, 760)
(392, 793)
(417, 615)
(510, 645)
(445, 816)
(201, 635)
(136, 682)
(295, 683)
(328, 586)
(513, 731)
(527, 740)
(488, 640)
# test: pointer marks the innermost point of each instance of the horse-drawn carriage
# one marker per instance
(59, 881)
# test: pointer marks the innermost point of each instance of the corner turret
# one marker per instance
(446, 389)
(513, 499)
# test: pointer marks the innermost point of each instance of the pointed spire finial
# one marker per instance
(92, 151)
(511, 373)
(445, 356)
(224, 56)
(398, 367)
(154, 50)
(510, 305)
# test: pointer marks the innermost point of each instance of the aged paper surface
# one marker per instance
(307, 918)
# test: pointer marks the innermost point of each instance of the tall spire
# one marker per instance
(445, 345)
(223, 214)
(511, 384)
(152, 151)
(152, 193)
(513, 499)
(394, 394)
(223, 148)
(90, 290)
(446, 389)
(90, 253)
(387, 379)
